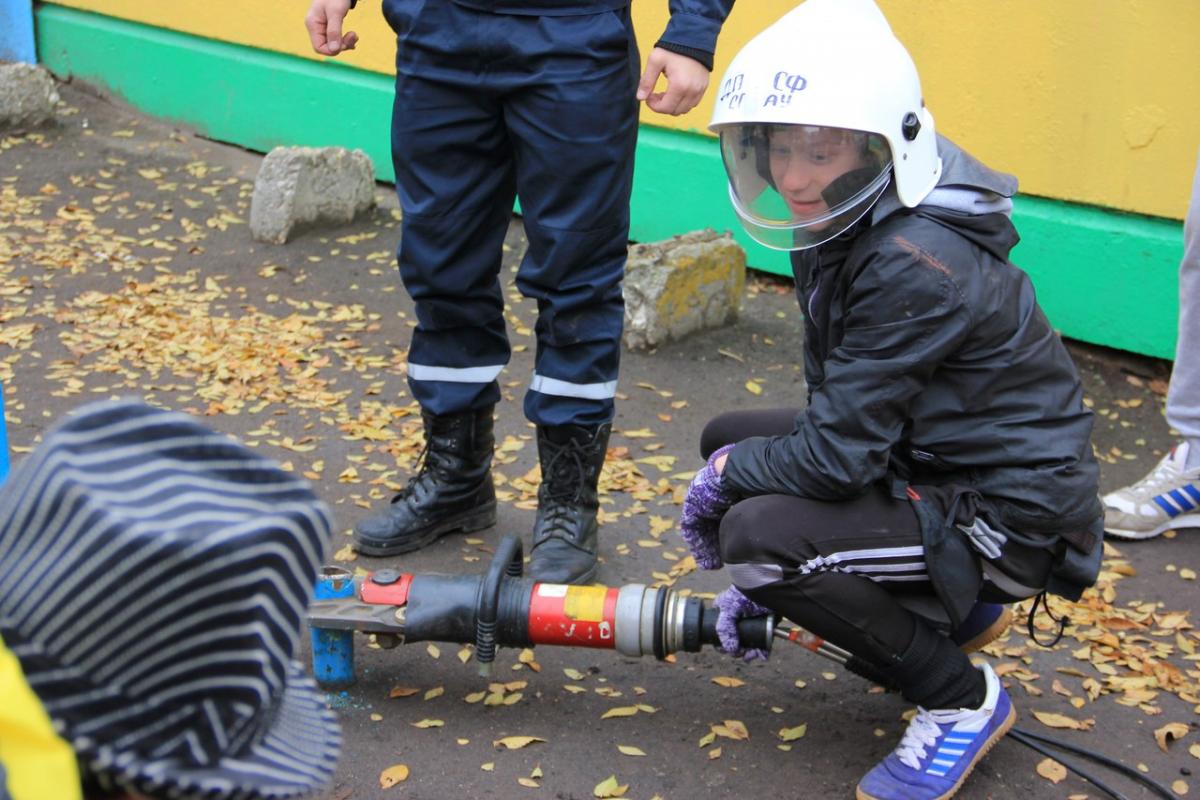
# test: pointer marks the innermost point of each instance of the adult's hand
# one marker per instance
(686, 78)
(324, 23)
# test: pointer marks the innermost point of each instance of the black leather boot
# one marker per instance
(451, 493)
(564, 534)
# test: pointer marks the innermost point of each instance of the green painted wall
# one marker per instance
(1103, 277)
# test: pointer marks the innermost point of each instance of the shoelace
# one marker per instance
(922, 732)
(426, 464)
(1150, 485)
(564, 478)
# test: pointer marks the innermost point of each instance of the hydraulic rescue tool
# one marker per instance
(502, 608)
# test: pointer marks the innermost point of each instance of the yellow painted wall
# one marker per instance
(1092, 101)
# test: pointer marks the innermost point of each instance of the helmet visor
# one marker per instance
(797, 186)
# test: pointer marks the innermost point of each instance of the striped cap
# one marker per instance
(153, 581)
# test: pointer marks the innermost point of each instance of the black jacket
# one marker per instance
(928, 358)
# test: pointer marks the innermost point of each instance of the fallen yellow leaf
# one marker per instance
(573, 674)
(753, 387)
(529, 782)
(397, 773)
(1172, 730)
(437, 691)
(619, 711)
(792, 734)
(1051, 770)
(1179, 787)
(732, 729)
(610, 788)
(630, 750)
(428, 723)
(516, 742)
(728, 682)
(1061, 721)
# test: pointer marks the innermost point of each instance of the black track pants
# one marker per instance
(835, 568)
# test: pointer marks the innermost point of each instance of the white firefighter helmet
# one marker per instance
(816, 114)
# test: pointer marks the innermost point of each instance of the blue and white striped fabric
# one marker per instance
(153, 582)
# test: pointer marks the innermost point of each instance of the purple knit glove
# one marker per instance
(734, 605)
(700, 520)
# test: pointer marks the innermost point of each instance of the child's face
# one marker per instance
(804, 161)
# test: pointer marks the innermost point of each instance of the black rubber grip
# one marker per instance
(753, 632)
(660, 606)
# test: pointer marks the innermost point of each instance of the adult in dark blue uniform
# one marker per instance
(495, 100)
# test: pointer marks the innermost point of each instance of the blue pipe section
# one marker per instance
(333, 650)
(16, 31)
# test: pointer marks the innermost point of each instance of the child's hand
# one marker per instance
(686, 78)
(734, 606)
(706, 502)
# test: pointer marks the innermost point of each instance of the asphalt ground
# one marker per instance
(127, 268)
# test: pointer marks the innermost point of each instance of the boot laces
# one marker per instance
(427, 464)
(566, 472)
(564, 479)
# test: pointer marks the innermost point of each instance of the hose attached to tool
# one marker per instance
(1031, 740)
(509, 560)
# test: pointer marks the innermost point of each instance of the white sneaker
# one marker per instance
(1168, 497)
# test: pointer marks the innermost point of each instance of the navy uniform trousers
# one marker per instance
(490, 107)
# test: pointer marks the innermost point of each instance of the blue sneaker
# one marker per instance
(986, 623)
(940, 748)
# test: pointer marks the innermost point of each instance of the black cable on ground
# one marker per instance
(1031, 739)
(1087, 776)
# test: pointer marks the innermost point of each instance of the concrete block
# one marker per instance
(687, 283)
(27, 96)
(299, 185)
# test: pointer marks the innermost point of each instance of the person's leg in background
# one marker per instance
(574, 129)
(1169, 496)
(455, 181)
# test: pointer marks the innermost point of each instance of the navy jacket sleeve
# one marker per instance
(693, 28)
(892, 345)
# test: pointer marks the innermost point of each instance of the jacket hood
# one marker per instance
(970, 198)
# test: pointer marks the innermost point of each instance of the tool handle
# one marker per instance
(508, 561)
(754, 633)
